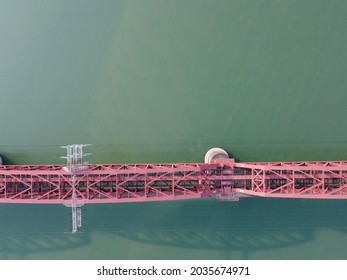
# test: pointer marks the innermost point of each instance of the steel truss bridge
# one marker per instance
(219, 177)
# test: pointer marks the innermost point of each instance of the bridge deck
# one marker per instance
(223, 179)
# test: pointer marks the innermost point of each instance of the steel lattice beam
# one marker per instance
(223, 179)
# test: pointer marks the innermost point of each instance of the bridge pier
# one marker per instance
(215, 154)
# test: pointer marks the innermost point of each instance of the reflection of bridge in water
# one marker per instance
(14, 245)
(230, 230)
(219, 177)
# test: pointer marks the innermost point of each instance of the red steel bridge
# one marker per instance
(219, 177)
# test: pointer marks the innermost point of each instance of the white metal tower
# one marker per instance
(75, 163)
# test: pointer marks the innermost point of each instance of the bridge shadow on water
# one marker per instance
(231, 229)
(197, 229)
(32, 229)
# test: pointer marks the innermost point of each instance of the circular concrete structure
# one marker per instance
(215, 153)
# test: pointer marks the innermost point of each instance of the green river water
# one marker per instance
(164, 81)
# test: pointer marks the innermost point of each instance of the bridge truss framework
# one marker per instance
(223, 179)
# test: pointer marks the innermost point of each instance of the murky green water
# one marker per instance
(163, 81)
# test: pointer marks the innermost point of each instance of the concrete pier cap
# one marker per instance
(216, 154)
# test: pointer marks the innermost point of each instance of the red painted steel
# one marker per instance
(223, 179)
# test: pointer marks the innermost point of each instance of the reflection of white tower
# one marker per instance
(75, 163)
(75, 204)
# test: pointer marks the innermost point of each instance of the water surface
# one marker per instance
(164, 81)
